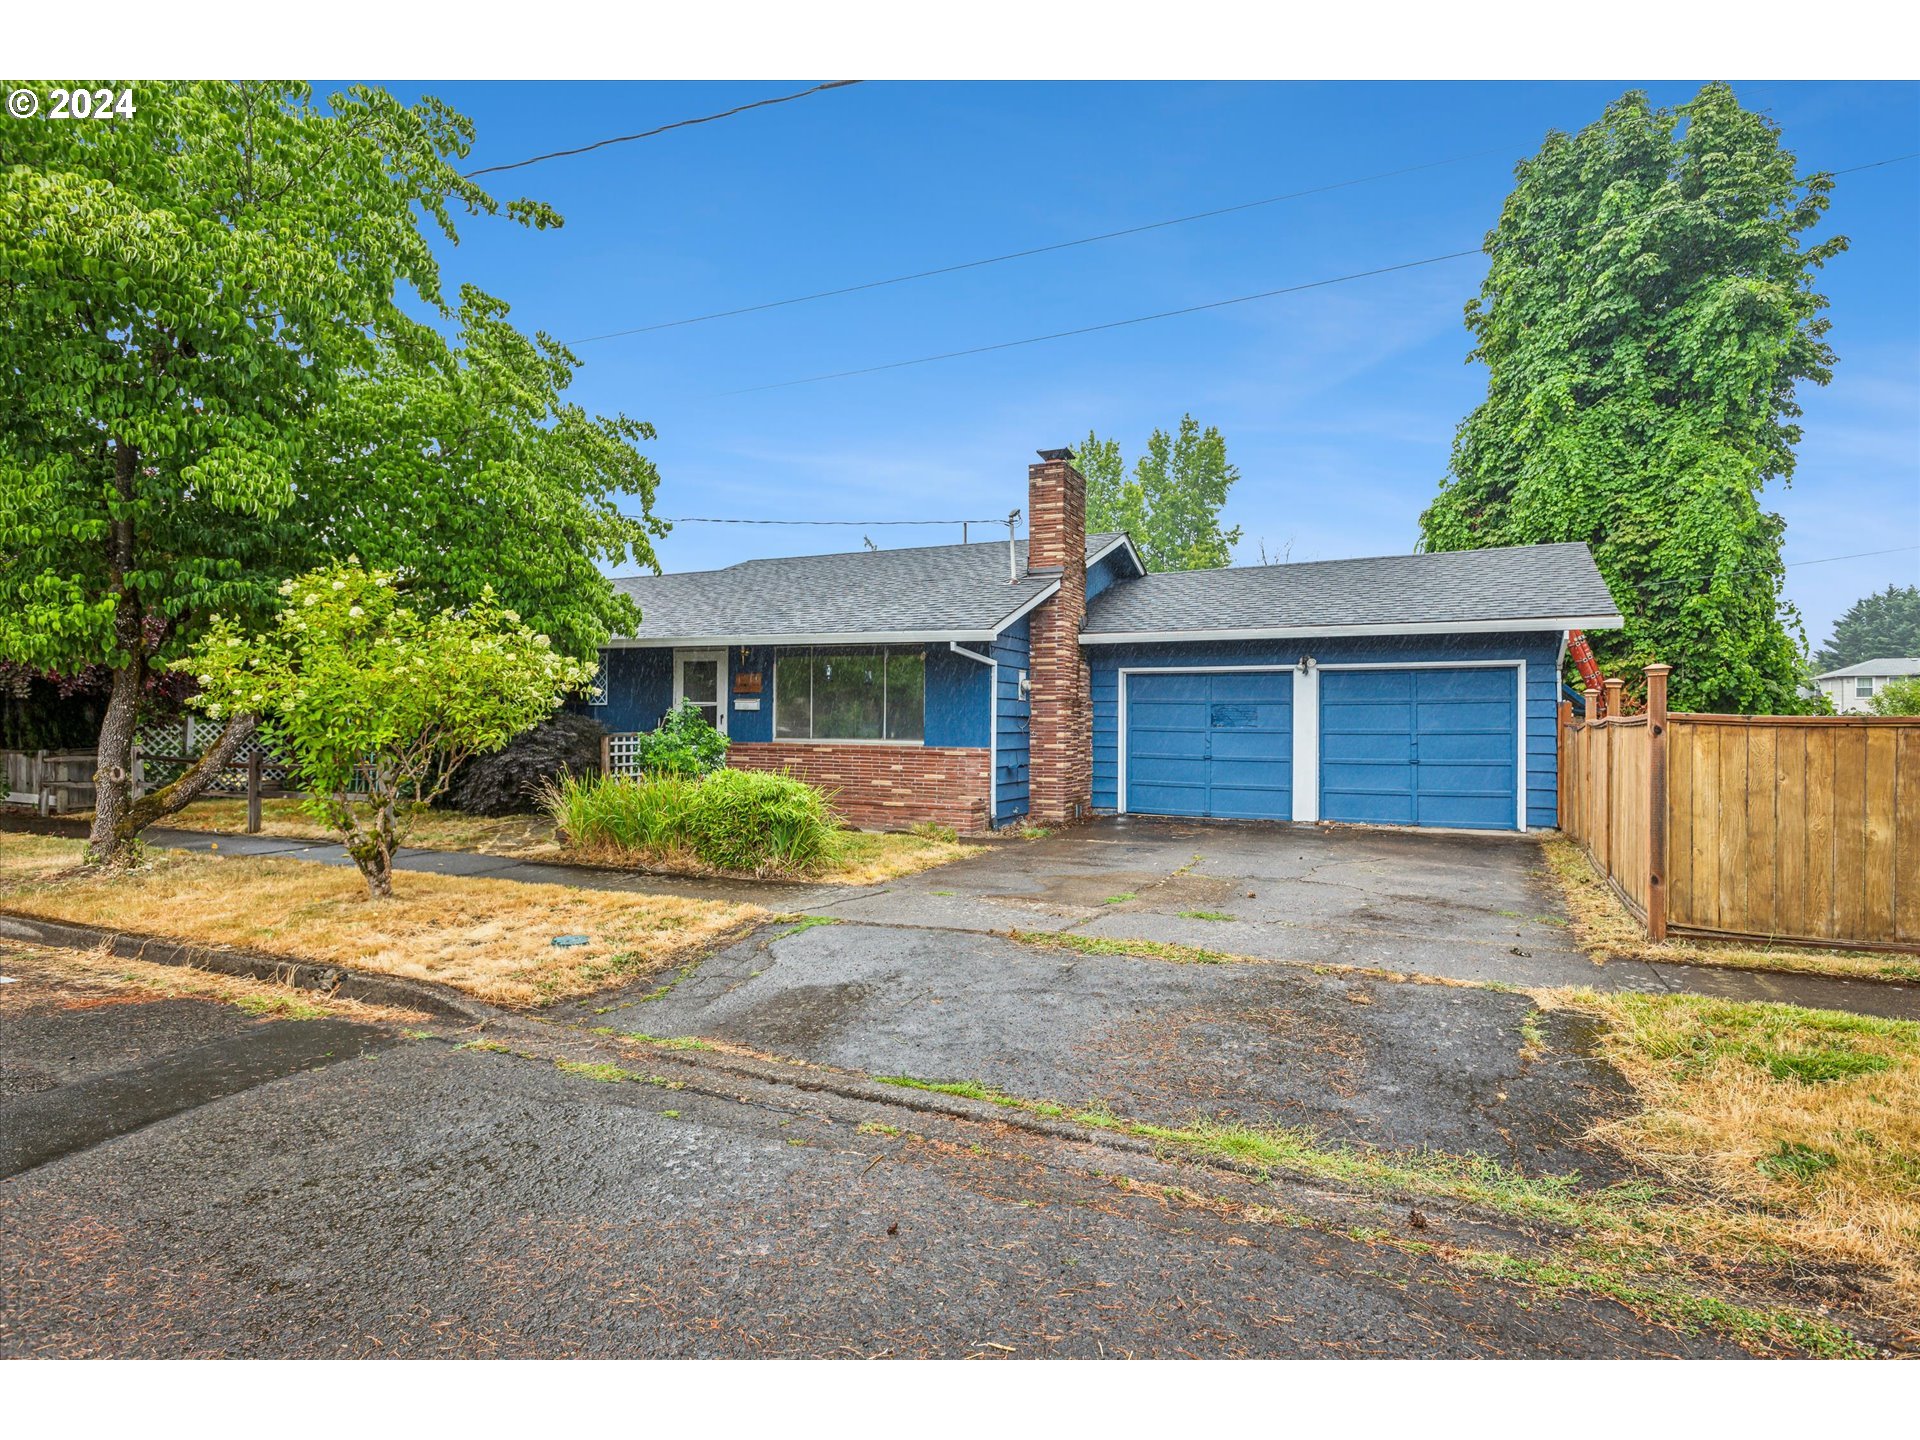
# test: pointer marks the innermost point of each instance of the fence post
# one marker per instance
(1657, 801)
(606, 757)
(41, 795)
(139, 775)
(253, 793)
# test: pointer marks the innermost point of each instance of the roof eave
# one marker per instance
(1304, 632)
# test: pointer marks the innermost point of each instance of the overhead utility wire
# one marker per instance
(729, 520)
(1035, 250)
(1109, 325)
(660, 129)
(1213, 304)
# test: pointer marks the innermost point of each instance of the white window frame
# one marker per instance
(597, 693)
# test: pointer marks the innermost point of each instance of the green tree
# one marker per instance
(1875, 627)
(1898, 697)
(377, 701)
(1647, 314)
(1171, 504)
(211, 377)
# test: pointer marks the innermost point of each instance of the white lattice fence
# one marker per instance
(167, 749)
(623, 754)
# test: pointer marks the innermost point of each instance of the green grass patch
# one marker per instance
(1794, 1160)
(805, 922)
(1686, 1311)
(279, 1007)
(1122, 898)
(1205, 915)
(1144, 949)
(1470, 1179)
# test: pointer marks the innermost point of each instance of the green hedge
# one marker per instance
(743, 820)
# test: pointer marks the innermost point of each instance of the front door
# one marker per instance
(699, 679)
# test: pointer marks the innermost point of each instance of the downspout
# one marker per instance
(993, 727)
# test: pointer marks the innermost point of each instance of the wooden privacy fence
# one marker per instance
(1803, 829)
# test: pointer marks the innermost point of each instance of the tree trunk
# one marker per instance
(171, 798)
(373, 849)
(113, 772)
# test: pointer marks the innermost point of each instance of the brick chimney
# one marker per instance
(1060, 760)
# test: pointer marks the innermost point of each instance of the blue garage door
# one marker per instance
(1419, 747)
(1219, 745)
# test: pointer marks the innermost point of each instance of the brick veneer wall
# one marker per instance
(884, 787)
(1060, 765)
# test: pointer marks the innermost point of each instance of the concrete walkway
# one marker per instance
(1454, 906)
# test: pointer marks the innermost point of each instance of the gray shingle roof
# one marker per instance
(1893, 665)
(1550, 583)
(927, 592)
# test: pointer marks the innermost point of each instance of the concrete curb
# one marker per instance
(258, 965)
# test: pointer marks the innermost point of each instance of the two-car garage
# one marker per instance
(1415, 690)
(1430, 744)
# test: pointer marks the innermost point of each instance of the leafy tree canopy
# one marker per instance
(1647, 314)
(377, 700)
(1876, 627)
(211, 378)
(1171, 503)
(1898, 697)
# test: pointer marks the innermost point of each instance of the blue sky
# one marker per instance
(1338, 404)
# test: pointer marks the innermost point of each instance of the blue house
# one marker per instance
(981, 684)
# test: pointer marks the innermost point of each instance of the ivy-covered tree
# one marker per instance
(1875, 627)
(1647, 314)
(1171, 503)
(210, 380)
(376, 700)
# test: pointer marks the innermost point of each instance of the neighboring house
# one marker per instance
(1852, 688)
(982, 684)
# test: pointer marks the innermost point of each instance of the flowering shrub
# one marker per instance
(375, 702)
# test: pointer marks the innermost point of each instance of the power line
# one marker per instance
(1216, 304)
(731, 520)
(1109, 325)
(660, 129)
(1034, 250)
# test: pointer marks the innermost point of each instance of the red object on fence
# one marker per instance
(1583, 660)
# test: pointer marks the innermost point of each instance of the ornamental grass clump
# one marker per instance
(737, 820)
(750, 820)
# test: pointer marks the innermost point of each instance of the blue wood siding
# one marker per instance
(639, 689)
(1117, 566)
(1211, 744)
(1540, 649)
(1419, 747)
(1011, 654)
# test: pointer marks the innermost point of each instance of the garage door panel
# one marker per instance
(1466, 779)
(1466, 812)
(1443, 755)
(1487, 747)
(1357, 685)
(1483, 683)
(1379, 718)
(1457, 715)
(1210, 744)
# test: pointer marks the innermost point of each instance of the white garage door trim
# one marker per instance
(1519, 667)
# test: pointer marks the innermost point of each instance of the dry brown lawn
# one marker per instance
(1784, 1132)
(523, 837)
(859, 857)
(490, 938)
(83, 975)
(1606, 930)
